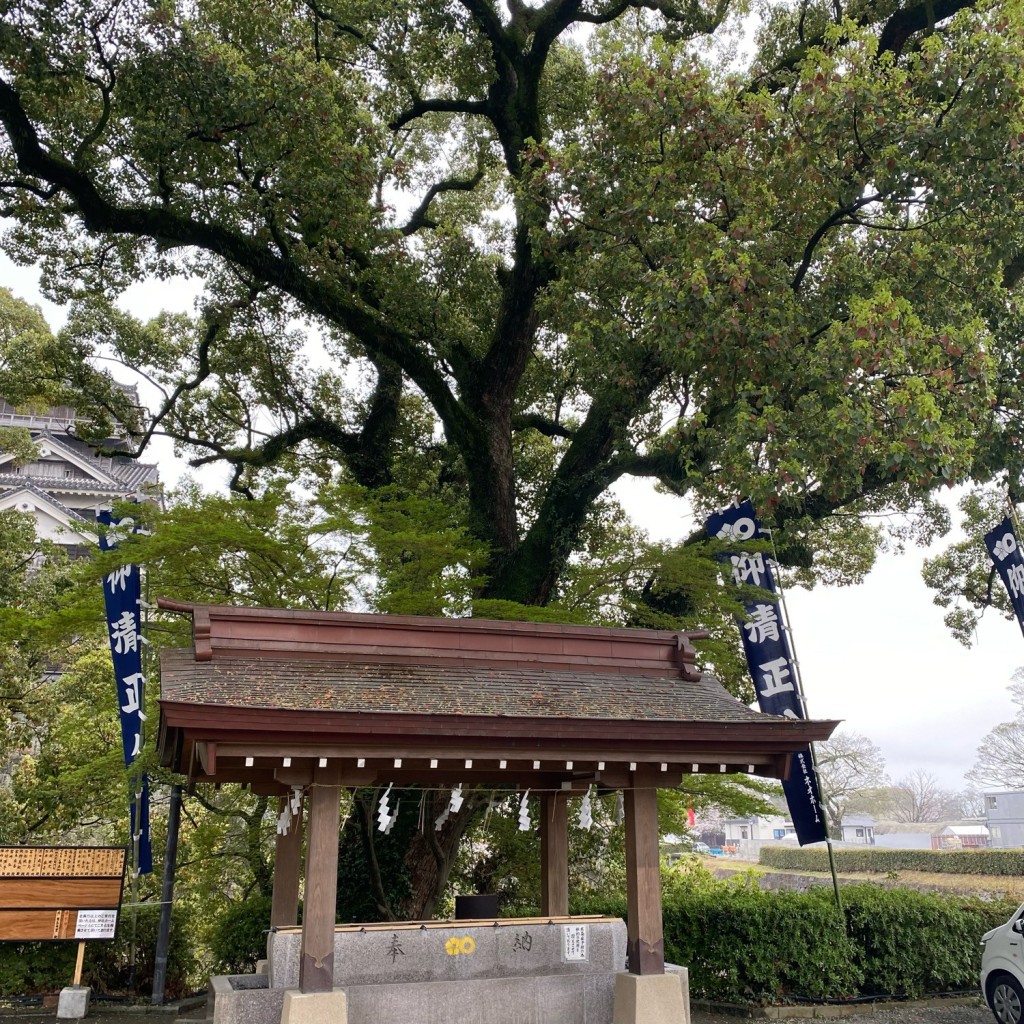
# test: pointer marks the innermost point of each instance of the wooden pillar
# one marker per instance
(284, 909)
(645, 943)
(316, 962)
(554, 855)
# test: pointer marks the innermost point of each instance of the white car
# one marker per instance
(1002, 969)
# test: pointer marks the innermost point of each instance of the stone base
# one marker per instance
(243, 999)
(73, 1003)
(315, 1008)
(556, 999)
(650, 999)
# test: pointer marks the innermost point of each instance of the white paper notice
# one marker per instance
(96, 924)
(574, 942)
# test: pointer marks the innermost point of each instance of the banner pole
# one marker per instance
(1011, 509)
(799, 679)
(163, 938)
(136, 805)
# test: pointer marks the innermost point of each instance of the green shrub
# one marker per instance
(239, 937)
(914, 943)
(745, 945)
(742, 944)
(884, 862)
(30, 968)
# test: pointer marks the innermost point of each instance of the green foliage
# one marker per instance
(273, 549)
(368, 861)
(963, 576)
(39, 370)
(792, 276)
(792, 943)
(745, 945)
(499, 858)
(912, 943)
(30, 967)
(239, 936)
(876, 861)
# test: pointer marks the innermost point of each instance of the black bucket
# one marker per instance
(473, 908)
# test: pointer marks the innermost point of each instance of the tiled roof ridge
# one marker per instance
(118, 467)
(17, 479)
(220, 631)
(24, 484)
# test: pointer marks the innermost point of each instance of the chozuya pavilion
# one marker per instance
(299, 702)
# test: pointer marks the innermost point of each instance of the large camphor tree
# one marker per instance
(494, 259)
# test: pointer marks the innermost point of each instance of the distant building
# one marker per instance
(69, 482)
(748, 835)
(966, 834)
(858, 828)
(1004, 816)
(961, 837)
(904, 835)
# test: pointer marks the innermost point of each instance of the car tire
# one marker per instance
(1006, 998)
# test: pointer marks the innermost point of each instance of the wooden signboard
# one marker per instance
(60, 893)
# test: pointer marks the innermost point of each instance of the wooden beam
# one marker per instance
(284, 907)
(67, 893)
(208, 757)
(456, 733)
(554, 855)
(316, 961)
(645, 943)
(392, 740)
(33, 925)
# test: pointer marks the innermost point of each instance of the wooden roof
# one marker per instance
(268, 695)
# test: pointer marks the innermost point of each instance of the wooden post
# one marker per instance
(645, 943)
(78, 965)
(316, 961)
(554, 855)
(284, 908)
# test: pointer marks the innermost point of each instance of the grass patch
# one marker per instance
(934, 881)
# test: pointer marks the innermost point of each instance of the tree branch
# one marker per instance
(543, 425)
(832, 221)
(165, 226)
(892, 39)
(419, 217)
(440, 106)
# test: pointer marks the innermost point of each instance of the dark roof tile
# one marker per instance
(439, 689)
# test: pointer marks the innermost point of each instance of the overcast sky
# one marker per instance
(876, 656)
(879, 657)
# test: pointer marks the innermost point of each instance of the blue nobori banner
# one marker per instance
(122, 594)
(771, 662)
(1004, 549)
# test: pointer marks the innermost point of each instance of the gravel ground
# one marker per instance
(944, 1011)
(951, 1011)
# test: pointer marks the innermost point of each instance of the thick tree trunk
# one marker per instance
(400, 876)
(430, 858)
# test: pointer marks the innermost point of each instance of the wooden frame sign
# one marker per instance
(60, 893)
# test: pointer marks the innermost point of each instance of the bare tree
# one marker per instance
(1000, 758)
(971, 803)
(918, 796)
(847, 763)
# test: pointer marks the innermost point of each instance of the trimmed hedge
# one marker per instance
(872, 859)
(745, 945)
